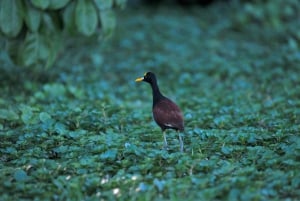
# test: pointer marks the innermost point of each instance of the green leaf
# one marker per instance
(58, 4)
(103, 4)
(108, 22)
(10, 150)
(11, 21)
(55, 90)
(77, 134)
(109, 154)
(120, 3)
(78, 93)
(159, 184)
(32, 17)
(34, 49)
(45, 117)
(8, 114)
(62, 149)
(84, 161)
(20, 175)
(39, 48)
(27, 114)
(69, 18)
(60, 128)
(42, 4)
(226, 150)
(50, 24)
(86, 17)
(54, 43)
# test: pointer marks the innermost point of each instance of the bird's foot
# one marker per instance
(165, 147)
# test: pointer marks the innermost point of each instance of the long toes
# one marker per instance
(165, 147)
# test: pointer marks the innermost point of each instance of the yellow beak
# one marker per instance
(139, 79)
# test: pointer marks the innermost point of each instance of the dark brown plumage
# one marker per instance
(165, 112)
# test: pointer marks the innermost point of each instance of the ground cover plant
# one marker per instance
(82, 130)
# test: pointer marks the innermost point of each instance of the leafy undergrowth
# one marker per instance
(83, 130)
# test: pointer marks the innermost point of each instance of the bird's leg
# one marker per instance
(165, 140)
(181, 142)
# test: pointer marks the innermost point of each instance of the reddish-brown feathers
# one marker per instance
(168, 115)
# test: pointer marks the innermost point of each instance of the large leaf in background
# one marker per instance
(58, 4)
(120, 3)
(86, 17)
(54, 44)
(51, 36)
(39, 48)
(34, 49)
(32, 17)
(103, 4)
(69, 18)
(42, 4)
(11, 17)
(50, 23)
(108, 22)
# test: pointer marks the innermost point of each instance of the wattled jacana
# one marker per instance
(165, 112)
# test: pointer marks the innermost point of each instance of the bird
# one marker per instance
(165, 112)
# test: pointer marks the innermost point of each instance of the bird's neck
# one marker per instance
(156, 93)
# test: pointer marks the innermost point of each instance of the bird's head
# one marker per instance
(148, 77)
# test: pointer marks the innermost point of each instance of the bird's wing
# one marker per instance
(168, 115)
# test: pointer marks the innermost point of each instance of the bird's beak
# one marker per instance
(139, 79)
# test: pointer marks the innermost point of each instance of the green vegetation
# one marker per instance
(82, 130)
(34, 32)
